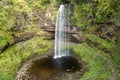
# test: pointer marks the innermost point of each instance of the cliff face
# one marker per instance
(19, 18)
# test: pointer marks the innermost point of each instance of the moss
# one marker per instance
(110, 46)
(10, 60)
(95, 62)
(101, 41)
(5, 38)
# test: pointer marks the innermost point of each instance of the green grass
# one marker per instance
(104, 43)
(110, 46)
(95, 62)
(5, 37)
(11, 58)
(97, 70)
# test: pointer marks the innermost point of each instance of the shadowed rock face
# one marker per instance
(75, 34)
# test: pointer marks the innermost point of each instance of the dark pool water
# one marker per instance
(48, 68)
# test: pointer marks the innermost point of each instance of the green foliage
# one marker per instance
(5, 38)
(70, 1)
(96, 63)
(112, 47)
(14, 14)
(96, 11)
(80, 15)
(40, 4)
(11, 59)
(62, 1)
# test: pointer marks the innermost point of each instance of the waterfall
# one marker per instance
(63, 24)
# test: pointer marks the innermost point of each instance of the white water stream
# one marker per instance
(63, 24)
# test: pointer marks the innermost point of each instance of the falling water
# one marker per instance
(63, 24)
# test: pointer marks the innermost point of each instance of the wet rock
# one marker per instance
(78, 38)
(75, 34)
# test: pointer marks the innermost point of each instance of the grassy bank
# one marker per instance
(98, 69)
(11, 59)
